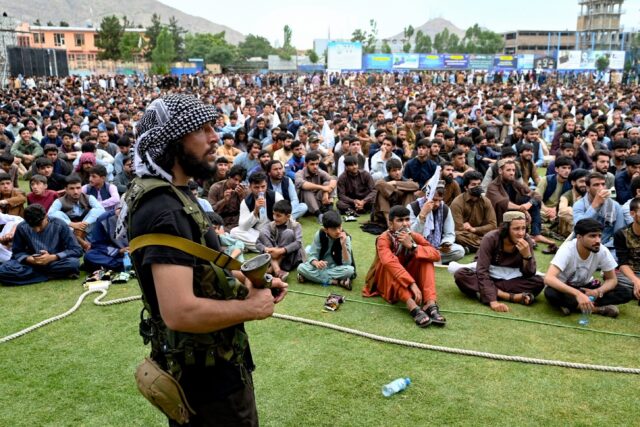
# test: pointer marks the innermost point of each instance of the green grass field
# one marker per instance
(79, 371)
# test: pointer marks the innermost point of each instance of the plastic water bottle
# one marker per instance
(126, 262)
(395, 386)
(263, 210)
(584, 316)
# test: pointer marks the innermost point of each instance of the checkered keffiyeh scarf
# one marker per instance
(165, 121)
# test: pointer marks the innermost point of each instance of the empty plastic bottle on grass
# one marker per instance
(126, 262)
(584, 316)
(395, 386)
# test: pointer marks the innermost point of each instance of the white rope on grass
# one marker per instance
(453, 350)
(96, 301)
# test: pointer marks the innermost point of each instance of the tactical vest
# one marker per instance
(230, 344)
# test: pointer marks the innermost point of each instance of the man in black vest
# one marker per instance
(280, 183)
(551, 187)
(256, 210)
(197, 312)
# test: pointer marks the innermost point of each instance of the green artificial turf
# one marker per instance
(79, 371)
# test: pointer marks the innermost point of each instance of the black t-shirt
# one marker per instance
(162, 212)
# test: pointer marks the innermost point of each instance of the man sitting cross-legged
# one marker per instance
(505, 266)
(570, 280)
(43, 249)
(403, 270)
(330, 259)
(282, 239)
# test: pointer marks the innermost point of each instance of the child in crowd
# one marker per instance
(40, 193)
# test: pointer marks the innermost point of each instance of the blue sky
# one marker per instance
(312, 19)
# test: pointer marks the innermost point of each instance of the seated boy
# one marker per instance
(106, 250)
(282, 239)
(43, 249)
(40, 194)
(330, 260)
(232, 247)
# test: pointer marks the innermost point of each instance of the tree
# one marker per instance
(313, 56)
(108, 37)
(287, 50)
(422, 43)
(408, 33)
(385, 48)
(602, 63)
(63, 24)
(367, 38)
(255, 46)
(477, 40)
(177, 34)
(446, 42)
(152, 32)
(131, 45)
(163, 53)
(213, 48)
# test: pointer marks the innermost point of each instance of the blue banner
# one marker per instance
(377, 61)
(505, 62)
(457, 62)
(431, 62)
(481, 62)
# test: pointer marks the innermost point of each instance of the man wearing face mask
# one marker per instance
(473, 214)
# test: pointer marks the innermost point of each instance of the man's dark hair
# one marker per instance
(73, 179)
(455, 153)
(222, 159)
(5, 177)
(313, 156)
(563, 161)
(470, 176)
(271, 163)
(7, 158)
(466, 141)
(253, 142)
(237, 170)
(34, 214)
(576, 174)
(88, 147)
(350, 160)
(215, 219)
(42, 162)
(295, 144)
(635, 204)
(598, 153)
(424, 142)
(257, 178)
(398, 212)
(124, 140)
(586, 226)
(633, 160)
(331, 219)
(283, 207)
(50, 147)
(566, 146)
(595, 175)
(228, 136)
(621, 143)
(99, 170)
(393, 163)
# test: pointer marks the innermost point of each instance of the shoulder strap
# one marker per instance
(203, 252)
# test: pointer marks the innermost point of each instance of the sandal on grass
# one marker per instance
(421, 318)
(433, 311)
(301, 278)
(551, 249)
(345, 283)
(526, 298)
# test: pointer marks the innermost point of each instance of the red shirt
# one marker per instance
(46, 200)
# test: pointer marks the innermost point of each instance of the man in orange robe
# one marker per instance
(402, 270)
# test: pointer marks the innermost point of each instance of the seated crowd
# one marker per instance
(439, 174)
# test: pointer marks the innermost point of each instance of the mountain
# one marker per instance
(433, 27)
(80, 12)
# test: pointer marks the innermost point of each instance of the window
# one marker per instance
(23, 41)
(510, 36)
(58, 39)
(38, 38)
(79, 38)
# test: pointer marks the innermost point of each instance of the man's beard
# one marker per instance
(581, 191)
(194, 167)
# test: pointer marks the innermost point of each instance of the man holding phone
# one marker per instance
(440, 231)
